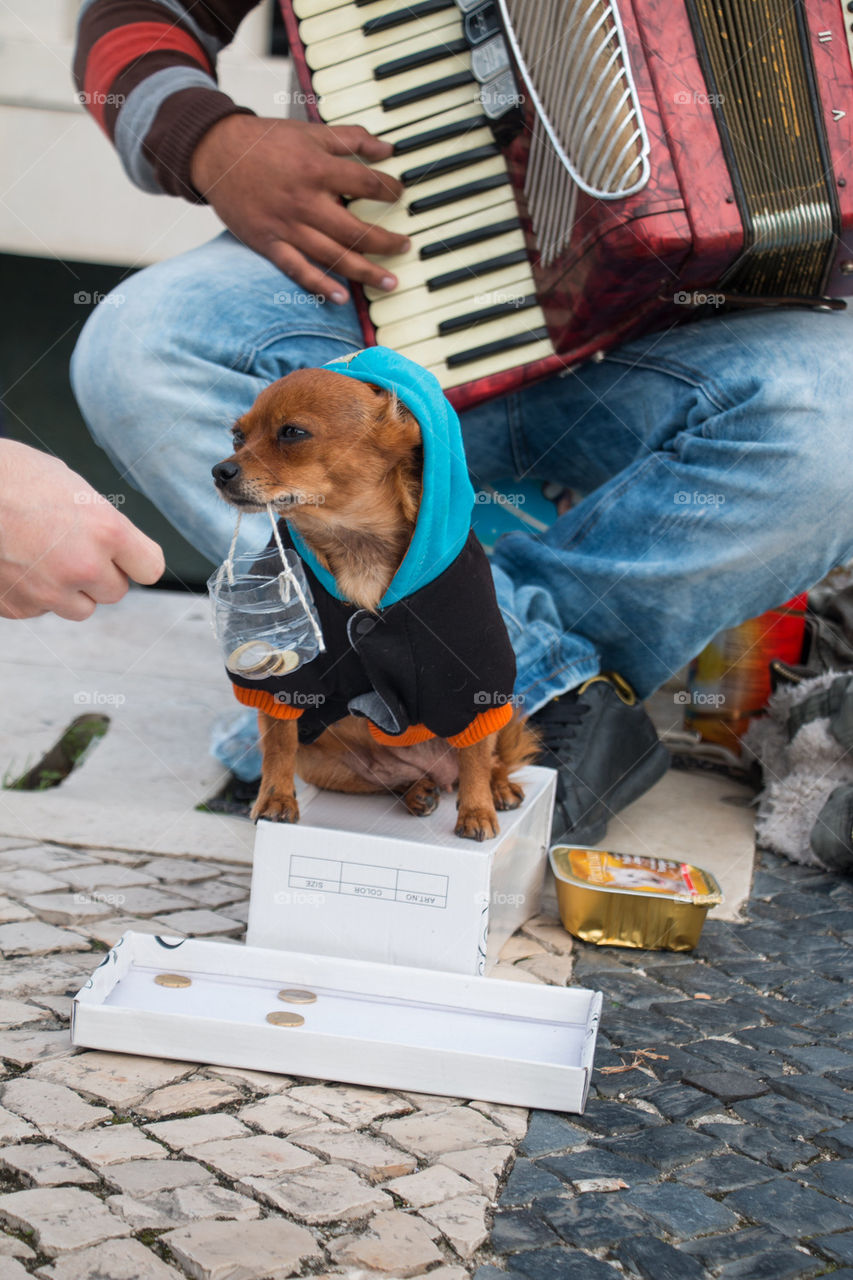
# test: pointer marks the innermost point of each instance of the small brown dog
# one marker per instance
(342, 460)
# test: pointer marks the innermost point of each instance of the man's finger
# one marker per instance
(76, 606)
(364, 237)
(304, 273)
(349, 178)
(139, 557)
(354, 140)
(331, 253)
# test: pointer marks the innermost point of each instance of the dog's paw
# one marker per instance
(275, 806)
(422, 797)
(477, 824)
(506, 794)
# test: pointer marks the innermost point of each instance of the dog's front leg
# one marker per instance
(477, 817)
(276, 799)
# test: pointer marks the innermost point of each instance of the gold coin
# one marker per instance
(253, 656)
(172, 980)
(283, 1018)
(288, 661)
(296, 995)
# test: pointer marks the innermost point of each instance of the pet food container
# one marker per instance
(627, 900)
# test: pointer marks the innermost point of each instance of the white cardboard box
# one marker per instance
(372, 1024)
(358, 876)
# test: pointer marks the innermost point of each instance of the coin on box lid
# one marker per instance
(296, 995)
(172, 980)
(628, 900)
(283, 1018)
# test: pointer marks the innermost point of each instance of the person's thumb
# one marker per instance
(140, 557)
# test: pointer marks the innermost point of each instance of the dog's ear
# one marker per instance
(395, 425)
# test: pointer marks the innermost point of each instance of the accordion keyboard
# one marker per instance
(466, 304)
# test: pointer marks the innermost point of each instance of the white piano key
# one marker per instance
(415, 322)
(335, 20)
(354, 44)
(432, 351)
(485, 368)
(438, 152)
(397, 218)
(400, 262)
(354, 70)
(362, 103)
(414, 275)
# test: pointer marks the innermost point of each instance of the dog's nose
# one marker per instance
(223, 472)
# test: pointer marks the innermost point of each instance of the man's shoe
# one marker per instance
(605, 750)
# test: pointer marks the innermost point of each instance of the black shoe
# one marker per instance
(605, 750)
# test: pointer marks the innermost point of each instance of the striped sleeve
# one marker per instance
(146, 72)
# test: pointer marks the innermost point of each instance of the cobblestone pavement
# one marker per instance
(720, 1114)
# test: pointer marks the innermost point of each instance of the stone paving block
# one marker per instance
(614, 1118)
(778, 1264)
(32, 938)
(430, 1186)
(513, 1120)
(528, 1181)
(182, 1135)
(838, 1247)
(728, 1086)
(593, 1221)
(200, 923)
(834, 1177)
(104, 877)
(547, 1132)
(789, 1208)
(264, 1250)
(679, 1102)
(778, 1038)
(596, 1163)
(549, 932)
(50, 1106)
(23, 1048)
(60, 1006)
(144, 1177)
(14, 1270)
(350, 1104)
(145, 900)
(186, 870)
(257, 1081)
(654, 1259)
(122, 1079)
(13, 1128)
(72, 908)
(839, 1140)
(427, 1102)
(484, 1166)
(666, 1147)
(373, 1159)
(214, 894)
(785, 1117)
(554, 969)
(110, 1145)
(817, 1092)
(394, 1242)
(259, 1156)
(561, 1264)
(12, 1247)
(725, 1172)
(763, 1145)
(514, 1230)
(513, 973)
(518, 947)
(20, 881)
(819, 1058)
(61, 1217)
(329, 1193)
(281, 1114)
(462, 1221)
(173, 1208)
(199, 1094)
(115, 1259)
(716, 1250)
(10, 911)
(682, 1211)
(109, 930)
(41, 1164)
(440, 1131)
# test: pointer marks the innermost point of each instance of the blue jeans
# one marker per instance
(715, 458)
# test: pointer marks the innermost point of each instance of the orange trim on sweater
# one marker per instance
(482, 725)
(412, 737)
(266, 701)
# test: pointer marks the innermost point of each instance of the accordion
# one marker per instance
(577, 172)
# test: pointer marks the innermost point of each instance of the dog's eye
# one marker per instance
(291, 432)
(237, 439)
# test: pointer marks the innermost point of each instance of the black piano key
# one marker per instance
(407, 14)
(430, 90)
(441, 198)
(448, 164)
(477, 236)
(495, 348)
(472, 318)
(476, 269)
(445, 131)
(420, 59)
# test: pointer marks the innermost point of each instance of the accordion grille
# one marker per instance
(757, 61)
(589, 131)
